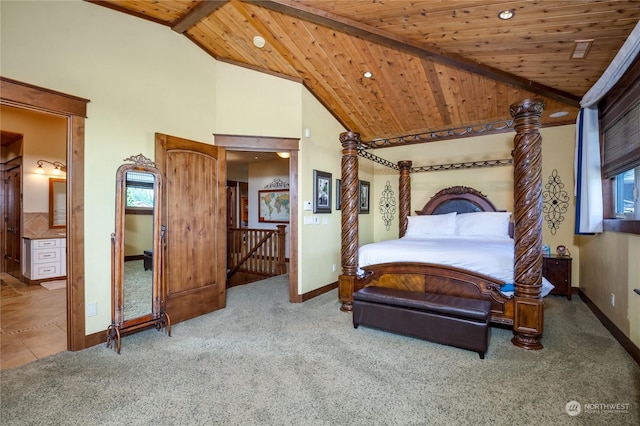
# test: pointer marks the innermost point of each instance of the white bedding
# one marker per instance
(486, 255)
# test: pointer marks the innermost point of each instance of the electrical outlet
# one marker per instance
(333, 267)
(92, 309)
(613, 299)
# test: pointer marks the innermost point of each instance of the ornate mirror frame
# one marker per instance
(157, 317)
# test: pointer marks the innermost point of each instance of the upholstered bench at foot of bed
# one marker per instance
(450, 320)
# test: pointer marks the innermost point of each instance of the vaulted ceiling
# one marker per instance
(439, 68)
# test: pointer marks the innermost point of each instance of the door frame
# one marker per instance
(274, 144)
(26, 96)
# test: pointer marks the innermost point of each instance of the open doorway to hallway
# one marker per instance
(258, 216)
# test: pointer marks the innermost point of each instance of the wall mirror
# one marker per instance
(137, 285)
(57, 203)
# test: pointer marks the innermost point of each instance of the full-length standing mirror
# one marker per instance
(137, 291)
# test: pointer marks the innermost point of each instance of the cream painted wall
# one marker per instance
(257, 104)
(319, 245)
(45, 137)
(610, 265)
(138, 231)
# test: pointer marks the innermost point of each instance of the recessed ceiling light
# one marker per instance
(506, 14)
(367, 74)
(258, 41)
(558, 114)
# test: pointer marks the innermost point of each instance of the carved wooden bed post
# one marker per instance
(346, 281)
(527, 165)
(404, 195)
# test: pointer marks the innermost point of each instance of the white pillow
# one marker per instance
(431, 225)
(484, 224)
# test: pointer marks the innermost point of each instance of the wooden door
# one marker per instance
(194, 216)
(13, 211)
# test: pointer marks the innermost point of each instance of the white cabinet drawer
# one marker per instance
(47, 255)
(46, 270)
(54, 242)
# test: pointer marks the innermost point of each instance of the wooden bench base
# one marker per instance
(449, 320)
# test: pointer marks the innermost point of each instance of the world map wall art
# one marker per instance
(273, 206)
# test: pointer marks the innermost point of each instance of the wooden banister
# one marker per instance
(256, 251)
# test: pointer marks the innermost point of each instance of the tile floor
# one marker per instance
(33, 322)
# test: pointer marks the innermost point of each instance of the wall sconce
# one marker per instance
(58, 167)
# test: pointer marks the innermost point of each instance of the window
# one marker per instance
(139, 192)
(620, 137)
(626, 188)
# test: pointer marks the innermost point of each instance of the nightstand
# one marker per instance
(557, 269)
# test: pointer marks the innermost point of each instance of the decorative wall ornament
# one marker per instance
(277, 184)
(555, 202)
(387, 205)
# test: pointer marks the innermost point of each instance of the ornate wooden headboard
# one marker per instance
(460, 199)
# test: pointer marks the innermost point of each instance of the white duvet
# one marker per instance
(486, 255)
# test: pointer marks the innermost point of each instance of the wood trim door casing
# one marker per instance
(274, 144)
(26, 96)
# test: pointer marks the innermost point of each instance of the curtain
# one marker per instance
(589, 213)
(589, 210)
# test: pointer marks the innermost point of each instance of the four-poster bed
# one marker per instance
(524, 310)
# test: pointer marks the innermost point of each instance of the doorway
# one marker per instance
(74, 109)
(233, 143)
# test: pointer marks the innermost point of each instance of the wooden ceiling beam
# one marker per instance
(369, 33)
(202, 10)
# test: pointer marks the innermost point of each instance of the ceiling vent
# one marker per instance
(581, 48)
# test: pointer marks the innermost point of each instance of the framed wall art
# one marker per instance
(273, 206)
(338, 194)
(363, 197)
(321, 192)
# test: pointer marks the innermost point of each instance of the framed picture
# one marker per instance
(273, 206)
(338, 194)
(321, 192)
(363, 197)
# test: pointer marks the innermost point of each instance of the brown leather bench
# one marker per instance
(450, 320)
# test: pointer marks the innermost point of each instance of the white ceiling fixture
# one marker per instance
(506, 14)
(259, 42)
(558, 114)
(368, 74)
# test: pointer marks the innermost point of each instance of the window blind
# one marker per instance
(139, 180)
(622, 143)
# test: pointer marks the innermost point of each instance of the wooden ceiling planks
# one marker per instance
(435, 64)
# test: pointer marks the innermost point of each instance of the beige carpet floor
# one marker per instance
(265, 361)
